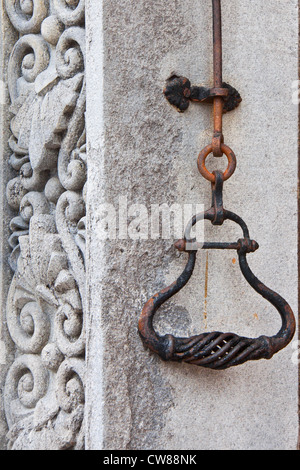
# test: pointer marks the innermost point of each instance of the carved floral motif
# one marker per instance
(44, 391)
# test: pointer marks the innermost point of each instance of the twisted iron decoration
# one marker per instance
(215, 350)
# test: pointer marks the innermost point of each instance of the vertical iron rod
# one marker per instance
(218, 79)
(217, 39)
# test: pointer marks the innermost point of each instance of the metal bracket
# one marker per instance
(179, 92)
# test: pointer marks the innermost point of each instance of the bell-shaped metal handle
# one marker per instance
(217, 350)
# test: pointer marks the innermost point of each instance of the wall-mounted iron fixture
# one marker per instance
(215, 350)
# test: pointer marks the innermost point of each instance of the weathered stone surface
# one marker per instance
(8, 38)
(141, 149)
(45, 368)
(74, 373)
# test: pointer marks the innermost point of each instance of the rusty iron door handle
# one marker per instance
(215, 350)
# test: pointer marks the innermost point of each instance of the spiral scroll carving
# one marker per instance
(30, 56)
(70, 12)
(26, 381)
(70, 52)
(29, 326)
(70, 384)
(27, 15)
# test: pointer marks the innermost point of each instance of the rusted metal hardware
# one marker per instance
(179, 92)
(215, 350)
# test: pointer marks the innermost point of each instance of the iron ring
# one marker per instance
(231, 163)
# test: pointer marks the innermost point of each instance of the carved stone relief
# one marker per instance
(44, 391)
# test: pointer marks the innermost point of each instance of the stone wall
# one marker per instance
(78, 257)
